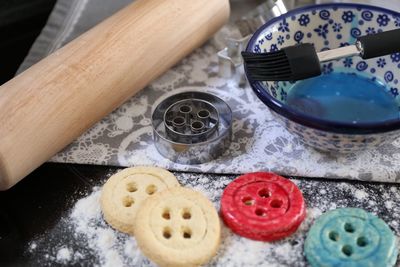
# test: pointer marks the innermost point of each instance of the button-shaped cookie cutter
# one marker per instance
(192, 127)
(190, 121)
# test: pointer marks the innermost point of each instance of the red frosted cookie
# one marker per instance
(263, 206)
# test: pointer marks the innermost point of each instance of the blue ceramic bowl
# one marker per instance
(330, 26)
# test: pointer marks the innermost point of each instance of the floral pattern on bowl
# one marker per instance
(331, 26)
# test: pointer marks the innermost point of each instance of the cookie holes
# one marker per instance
(131, 187)
(334, 236)
(276, 203)
(127, 201)
(151, 189)
(348, 227)
(261, 212)
(362, 241)
(186, 215)
(166, 214)
(264, 193)
(167, 233)
(187, 233)
(248, 201)
(347, 250)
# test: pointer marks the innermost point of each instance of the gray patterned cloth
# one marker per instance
(124, 138)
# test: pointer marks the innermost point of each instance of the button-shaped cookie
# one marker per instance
(125, 191)
(178, 227)
(262, 206)
(350, 237)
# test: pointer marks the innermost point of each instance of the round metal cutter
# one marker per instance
(192, 127)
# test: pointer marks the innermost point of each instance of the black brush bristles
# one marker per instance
(288, 64)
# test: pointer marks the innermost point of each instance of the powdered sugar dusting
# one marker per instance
(32, 246)
(360, 194)
(87, 240)
(64, 255)
(102, 239)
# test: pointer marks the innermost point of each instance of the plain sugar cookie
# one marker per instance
(178, 227)
(124, 192)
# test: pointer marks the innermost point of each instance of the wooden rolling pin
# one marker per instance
(52, 103)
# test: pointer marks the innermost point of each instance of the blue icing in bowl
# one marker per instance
(331, 26)
(344, 97)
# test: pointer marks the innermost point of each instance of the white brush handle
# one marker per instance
(347, 51)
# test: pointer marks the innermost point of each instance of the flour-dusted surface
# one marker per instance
(83, 238)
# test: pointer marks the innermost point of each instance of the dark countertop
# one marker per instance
(35, 210)
(20, 23)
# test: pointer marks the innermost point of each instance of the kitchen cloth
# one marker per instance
(124, 138)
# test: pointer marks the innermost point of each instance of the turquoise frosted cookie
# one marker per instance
(350, 237)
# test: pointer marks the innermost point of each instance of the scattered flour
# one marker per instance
(360, 194)
(94, 243)
(389, 204)
(102, 239)
(64, 255)
(32, 246)
(283, 249)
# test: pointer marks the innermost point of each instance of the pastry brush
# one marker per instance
(301, 61)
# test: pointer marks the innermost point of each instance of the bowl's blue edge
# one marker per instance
(301, 118)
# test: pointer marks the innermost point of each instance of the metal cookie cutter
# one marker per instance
(192, 127)
(229, 58)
